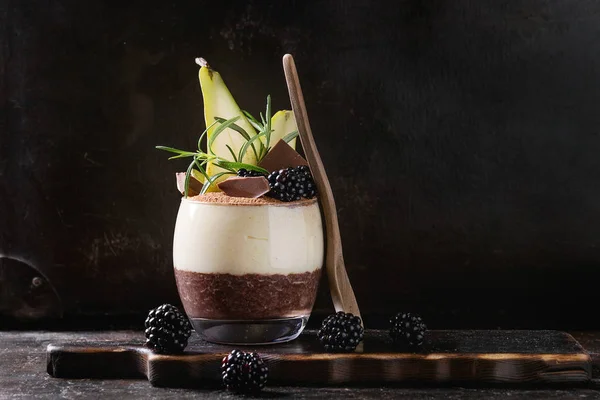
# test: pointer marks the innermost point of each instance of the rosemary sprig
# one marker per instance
(230, 167)
(231, 152)
(218, 131)
(290, 136)
(268, 129)
(242, 132)
(200, 159)
(252, 120)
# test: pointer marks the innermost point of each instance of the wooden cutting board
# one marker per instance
(447, 357)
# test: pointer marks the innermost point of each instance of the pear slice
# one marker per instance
(282, 123)
(197, 175)
(218, 102)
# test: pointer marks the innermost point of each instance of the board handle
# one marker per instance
(95, 361)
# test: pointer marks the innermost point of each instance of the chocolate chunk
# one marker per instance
(282, 155)
(194, 188)
(237, 186)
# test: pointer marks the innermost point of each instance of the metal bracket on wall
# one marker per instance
(25, 293)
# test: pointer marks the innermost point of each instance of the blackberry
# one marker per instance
(244, 172)
(167, 330)
(244, 372)
(292, 184)
(407, 330)
(341, 332)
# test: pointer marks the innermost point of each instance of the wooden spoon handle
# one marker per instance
(339, 284)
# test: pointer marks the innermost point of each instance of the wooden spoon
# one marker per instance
(339, 284)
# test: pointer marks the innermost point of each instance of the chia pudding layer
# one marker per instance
(248, 296)
(247, 259)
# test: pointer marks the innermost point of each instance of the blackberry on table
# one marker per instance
(167, 330)
(292, 184)
(244, 372)
(407, 330)
(341, 332)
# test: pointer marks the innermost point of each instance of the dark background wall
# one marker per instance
(461, 138)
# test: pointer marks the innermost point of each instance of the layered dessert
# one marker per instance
(262, 258)
(248, 242)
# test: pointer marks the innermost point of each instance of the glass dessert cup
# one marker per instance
(247, 270)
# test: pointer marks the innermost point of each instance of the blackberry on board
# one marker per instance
(244, 372)
(341, 332)
(292, 184)
(407, 330)
(167, 330)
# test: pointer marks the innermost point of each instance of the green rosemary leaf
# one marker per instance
(242, 132)
(235, 127)
(249, 143)
(213, 179)
(201, 169)
(268, 123)
(200, 165)
(290, 136)
(188, 173)
(224, 164)
(204, 134)
(174, 150)
(218, 131)
(251, 118)
(259, 128)
(181, 156)
(207, 180)
(234, 166)
(205, 186)
(256, 125)
(232, 153)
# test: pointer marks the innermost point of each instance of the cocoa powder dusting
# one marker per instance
(222, 198)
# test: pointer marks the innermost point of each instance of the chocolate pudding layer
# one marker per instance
(225, 296)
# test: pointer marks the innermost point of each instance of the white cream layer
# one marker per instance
(243, 239)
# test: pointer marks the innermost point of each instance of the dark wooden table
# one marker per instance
(23, 375)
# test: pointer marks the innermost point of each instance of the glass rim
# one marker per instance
(291, 204)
